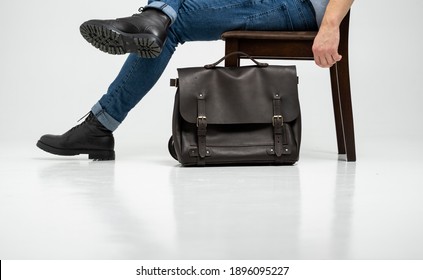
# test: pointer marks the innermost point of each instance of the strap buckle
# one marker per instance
(201, 120)
(277, 120)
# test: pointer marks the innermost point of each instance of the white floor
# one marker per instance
(145, 206)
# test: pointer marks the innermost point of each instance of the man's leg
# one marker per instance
(94, 136)
(146, 32)
(203, 20)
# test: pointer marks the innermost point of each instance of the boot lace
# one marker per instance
(84, 116)
(77, 126)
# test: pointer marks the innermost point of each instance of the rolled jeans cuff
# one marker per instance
(168, 10)
(104, 118)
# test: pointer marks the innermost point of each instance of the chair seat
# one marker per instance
(272, 44)
(270, 35)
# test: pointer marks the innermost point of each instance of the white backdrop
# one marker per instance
(49, 76)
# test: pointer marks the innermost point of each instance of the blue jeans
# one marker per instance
(196, 20)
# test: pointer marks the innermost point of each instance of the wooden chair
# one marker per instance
(298, 46)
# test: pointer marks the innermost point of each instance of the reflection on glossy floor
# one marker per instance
(148, 207)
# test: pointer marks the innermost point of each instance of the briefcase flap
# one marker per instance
(237, 95)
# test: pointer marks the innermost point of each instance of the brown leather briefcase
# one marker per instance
(236, 115)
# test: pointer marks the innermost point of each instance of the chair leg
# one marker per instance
(337, 110)
(344, 92)
(231, 45)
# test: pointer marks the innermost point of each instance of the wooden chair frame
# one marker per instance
(298, 46)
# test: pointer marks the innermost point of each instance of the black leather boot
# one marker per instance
(143, 33)
(90, 137)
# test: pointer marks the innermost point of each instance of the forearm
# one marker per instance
(335, 12)
(325, 46)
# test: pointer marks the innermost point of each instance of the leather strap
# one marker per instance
(174, 82)
(201, 128)
(277, 122)
(213, 65)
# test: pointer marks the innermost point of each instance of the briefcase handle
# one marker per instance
(211, 66)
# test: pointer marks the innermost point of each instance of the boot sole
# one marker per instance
(92, 154)
(112, 41)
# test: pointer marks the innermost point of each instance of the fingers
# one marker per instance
(327, 60)
(326, 55)
(325, 47)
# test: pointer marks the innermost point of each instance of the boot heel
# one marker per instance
(102, 155)
(148, 46)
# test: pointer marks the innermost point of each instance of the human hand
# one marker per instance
(325, 46)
